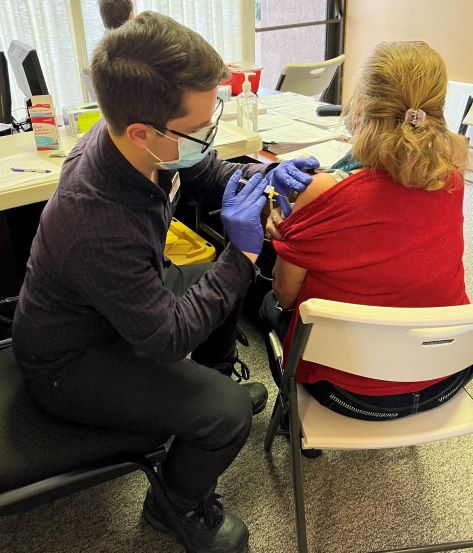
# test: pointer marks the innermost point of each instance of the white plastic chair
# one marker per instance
(397, 344)
(309, 78)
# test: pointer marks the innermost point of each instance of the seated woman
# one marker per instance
(386, 231)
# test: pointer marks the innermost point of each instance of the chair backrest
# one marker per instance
(309, 78)
(388, 343)
(86, 77)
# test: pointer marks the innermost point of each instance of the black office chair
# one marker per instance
(43, 458)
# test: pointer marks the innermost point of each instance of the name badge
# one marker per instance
(176, 183)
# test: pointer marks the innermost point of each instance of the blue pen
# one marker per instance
(20, 170)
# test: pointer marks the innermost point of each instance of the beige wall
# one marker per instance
(447, 25)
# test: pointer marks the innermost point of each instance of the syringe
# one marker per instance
(269, 192)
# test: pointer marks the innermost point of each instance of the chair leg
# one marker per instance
(298, 475)
(276, 418)
(452, 546)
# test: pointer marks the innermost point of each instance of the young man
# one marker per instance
(105, 322)
(115, 12)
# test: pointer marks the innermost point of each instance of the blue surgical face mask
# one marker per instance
(190, 153)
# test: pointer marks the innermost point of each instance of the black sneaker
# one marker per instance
(257, 391)
(258, 395)
(207, 526)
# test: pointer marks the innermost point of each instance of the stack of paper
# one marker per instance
(300, 110)
(290, 123)
(324, 121)
(294, 136)
(327, 153)
(230, 110)
(276, 101)
(271, 120)
(233, 141)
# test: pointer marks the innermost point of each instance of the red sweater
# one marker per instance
(369, 240)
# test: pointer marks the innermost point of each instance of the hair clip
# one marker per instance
(415, 117)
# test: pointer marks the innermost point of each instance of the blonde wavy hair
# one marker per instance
(397, 77)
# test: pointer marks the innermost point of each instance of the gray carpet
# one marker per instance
(356, 501)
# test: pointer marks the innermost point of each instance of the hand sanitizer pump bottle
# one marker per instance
(247, 107)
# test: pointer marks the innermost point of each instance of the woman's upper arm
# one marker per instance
(287, 281)
(288, 278)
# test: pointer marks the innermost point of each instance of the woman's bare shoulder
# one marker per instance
(320, 184)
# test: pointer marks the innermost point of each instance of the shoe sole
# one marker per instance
(260, 407)
(165, 530)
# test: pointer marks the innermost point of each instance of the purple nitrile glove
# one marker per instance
(241, 213)
(284, 204)
(289, 175)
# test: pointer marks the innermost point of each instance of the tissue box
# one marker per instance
(43, 120)
(80, 119)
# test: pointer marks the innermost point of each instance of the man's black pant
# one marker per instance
(113, 386)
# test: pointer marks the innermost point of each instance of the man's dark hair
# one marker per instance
(141, 70)
(115, 12)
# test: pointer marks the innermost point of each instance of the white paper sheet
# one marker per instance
(228, 136)
(9, 178)
(230, 110)
(297, 133)
(299, 109)
(312, 117)
(285, 99)
(327, 153)
(272, 121)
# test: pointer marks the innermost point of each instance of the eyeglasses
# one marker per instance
(210, 136)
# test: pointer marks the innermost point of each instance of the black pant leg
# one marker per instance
(220, 346)
(111, 386)
(273, 318)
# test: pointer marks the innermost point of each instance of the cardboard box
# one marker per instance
(44, 124)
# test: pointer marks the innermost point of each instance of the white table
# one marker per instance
(35, 191)
(41, 190)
